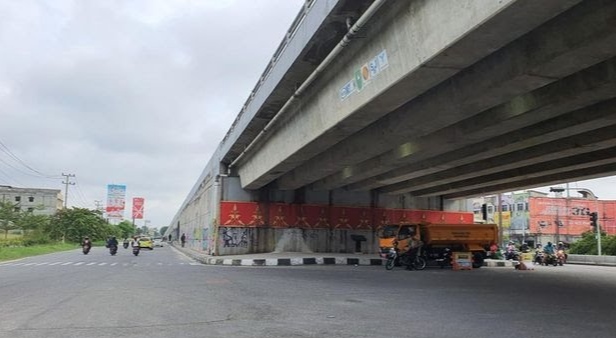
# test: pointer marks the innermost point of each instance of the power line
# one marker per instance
(16, 158)
(81, 195)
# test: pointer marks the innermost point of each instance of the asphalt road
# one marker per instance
(161, 293)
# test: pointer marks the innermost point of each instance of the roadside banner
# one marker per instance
(138, 204)
(115, 201)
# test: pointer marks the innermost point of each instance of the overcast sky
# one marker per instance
(132, 92)
(128, 92)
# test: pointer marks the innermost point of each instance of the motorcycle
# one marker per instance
(512, 254)
(404, 259)
(86, 248)
(113, 250)
(136, 250)
(125, 245)
(561, 257)
(391, 257)
(549, 259)
(539, 256)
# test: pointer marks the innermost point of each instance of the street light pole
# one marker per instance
(557, 190)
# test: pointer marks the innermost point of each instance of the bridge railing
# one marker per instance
(268, 69)
(592, 260)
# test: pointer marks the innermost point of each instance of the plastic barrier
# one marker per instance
(462, 260)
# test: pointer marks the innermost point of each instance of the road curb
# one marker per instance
(317, 260)
(294, 261)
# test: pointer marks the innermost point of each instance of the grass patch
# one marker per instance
(35, 250)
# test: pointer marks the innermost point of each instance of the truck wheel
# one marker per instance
(477, 260)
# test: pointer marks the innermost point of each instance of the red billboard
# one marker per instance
(138, 203)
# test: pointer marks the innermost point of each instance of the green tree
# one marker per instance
(587, 245)
(73, 224)
(163, 230)
(30, 221)
(126, 229)
(9, 217)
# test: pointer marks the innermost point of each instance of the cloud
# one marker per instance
(137, 92)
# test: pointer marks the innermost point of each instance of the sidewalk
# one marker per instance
(300, 258)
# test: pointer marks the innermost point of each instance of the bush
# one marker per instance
(588, 245)
(11, 243)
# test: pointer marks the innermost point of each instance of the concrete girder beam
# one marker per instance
(566, 139)
(578, 174)
(552, 165)
(546, 147)
(575, 40)
(497, 128)
(435, 39)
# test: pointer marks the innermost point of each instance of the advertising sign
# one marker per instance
(138, 203)
(116, 200)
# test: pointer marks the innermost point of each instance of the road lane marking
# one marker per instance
(54, 263)
(67, 263)
(77, 264)
(101, 264)
(28, 264)
(112, 264)
(91, 263)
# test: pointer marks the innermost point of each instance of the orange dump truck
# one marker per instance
(442, 239)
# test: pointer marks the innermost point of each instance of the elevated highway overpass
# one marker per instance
(382, 103)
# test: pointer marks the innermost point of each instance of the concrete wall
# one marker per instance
(237, 241)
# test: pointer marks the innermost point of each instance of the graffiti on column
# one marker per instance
(206, 240)
(235, 237)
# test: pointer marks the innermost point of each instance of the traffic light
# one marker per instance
(593, 219)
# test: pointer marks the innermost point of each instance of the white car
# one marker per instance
(158, 242)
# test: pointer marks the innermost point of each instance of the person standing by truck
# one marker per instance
(413, 249)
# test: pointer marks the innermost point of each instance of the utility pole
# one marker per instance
(66, 184)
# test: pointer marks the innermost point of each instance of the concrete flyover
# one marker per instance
(451, 99)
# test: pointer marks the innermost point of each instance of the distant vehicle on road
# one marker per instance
(146, 243)
(157, 242)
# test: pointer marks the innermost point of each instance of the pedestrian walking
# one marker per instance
(183, 239)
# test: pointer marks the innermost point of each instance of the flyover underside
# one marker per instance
(539, 109)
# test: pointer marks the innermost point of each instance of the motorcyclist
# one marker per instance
(511, 250)
(112, 242)
(135, 243)
(538, 259)
(561, 247)
(86, 242)
(126, 242)
(525, 247)
(412, 250)
(549, 248)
